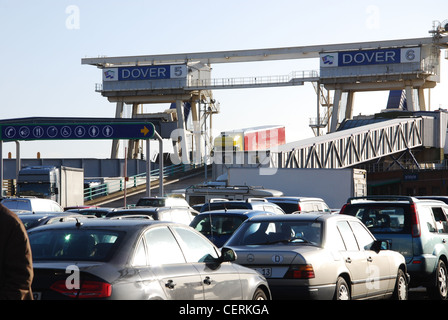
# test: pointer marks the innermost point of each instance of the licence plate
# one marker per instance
(266, 272)
(37, 295)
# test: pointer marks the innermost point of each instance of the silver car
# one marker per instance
(320, 256)
(136, 259)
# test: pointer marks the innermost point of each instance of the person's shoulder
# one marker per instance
(7, 215)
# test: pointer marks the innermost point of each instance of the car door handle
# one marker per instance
(369, 259)
(170, 284)
(207, 281)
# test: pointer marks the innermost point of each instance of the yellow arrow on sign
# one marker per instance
(144, 130)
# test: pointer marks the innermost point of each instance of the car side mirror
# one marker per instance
(379, 245)
(227, 255)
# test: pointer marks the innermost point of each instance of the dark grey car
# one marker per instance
(136, 259)
(416, 228)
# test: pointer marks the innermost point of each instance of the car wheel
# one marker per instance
(259, 295)
(440, 290)
(401, 287)
(342, 290)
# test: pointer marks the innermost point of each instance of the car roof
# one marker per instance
(293, 198)
(101, 223)
(303, 217)
(245, 212)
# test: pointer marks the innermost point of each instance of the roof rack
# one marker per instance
(383, 198)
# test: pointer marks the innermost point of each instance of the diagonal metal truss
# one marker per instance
(350, 147)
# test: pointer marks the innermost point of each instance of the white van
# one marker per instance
(32, 204)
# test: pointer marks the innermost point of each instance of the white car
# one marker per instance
(31, 204)
(320, 256)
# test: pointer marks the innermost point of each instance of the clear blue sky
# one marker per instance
(44, 41)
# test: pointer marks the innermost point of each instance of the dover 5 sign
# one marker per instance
(145, 73)
(370, 57)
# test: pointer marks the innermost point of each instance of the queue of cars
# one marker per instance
(375, 247)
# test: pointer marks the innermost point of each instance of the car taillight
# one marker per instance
(415, 224)
(301, 271)
(298, 207)
(343, 208)
(88, 289)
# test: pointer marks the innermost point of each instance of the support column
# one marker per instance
(196, 116)
(336, 110)
(133, 144)
(116, 143)
(349, 106)
(410, 98)
(421, 99)
(182, 133)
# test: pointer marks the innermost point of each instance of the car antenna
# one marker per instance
(78, 223)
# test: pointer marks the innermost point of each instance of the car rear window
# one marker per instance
(382, 218)
(225, 205)
(17, 204)
(79, 245)
(217, 224)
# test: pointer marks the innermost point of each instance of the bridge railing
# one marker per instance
(353, 146)
(132, 181)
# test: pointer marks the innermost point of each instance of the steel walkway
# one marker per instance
(350, 147)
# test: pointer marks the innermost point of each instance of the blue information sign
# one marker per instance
(77, 131)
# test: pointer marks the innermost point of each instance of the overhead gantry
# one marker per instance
(408, 64)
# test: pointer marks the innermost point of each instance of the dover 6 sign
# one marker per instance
(370, 57)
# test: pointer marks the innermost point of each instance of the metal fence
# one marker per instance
(119, 184)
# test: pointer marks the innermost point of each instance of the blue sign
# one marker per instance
(370, 57)
(154, 72)
(81, 131)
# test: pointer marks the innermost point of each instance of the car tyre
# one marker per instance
(440, 289)
(401, 287)
(259, 295)
(342, 290)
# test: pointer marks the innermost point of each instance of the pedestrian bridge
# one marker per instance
(357, 142)
(350, 147)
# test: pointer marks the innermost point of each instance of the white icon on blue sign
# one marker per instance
(52, 131)
(24, 132)
(94, 131)
(108, 131)
(80, 131)
(38, 132)
(10, 132)
(66, 131)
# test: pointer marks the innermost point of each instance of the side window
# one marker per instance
(139, 255)
(347, 236)
(196, 248)
(162, 247)
(440, 219)
(363, 237)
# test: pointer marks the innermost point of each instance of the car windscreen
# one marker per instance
(214, 224)
(275, 232)
(151, 202)
(382, 218)
(74, 244)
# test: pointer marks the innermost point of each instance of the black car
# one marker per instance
(136, 259)
(33, 220)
